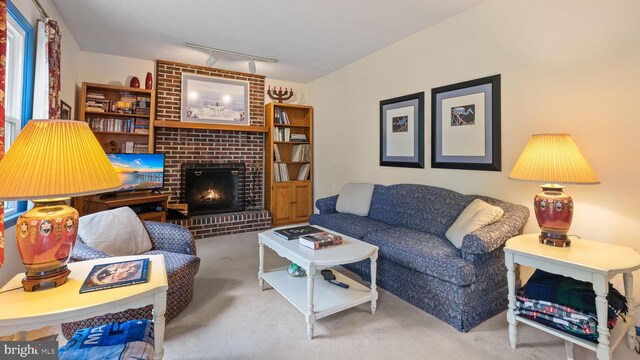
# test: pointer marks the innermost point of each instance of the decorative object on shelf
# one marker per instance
(134, 83)
(465, 125)
(553, 158)
(295, 270)
(280, 95)
(402, 131)
(208, 99)
(65, 111)
(148, 82)
(53, 160)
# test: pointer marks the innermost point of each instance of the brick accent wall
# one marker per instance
(209, 146)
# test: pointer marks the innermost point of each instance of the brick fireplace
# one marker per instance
(194, 146)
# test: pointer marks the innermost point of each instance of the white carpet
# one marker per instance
(230, 318)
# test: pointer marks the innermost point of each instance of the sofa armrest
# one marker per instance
(327, 205)
(170, 237)
(83, 252)
(492, 236)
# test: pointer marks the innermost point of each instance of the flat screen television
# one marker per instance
(139, 171)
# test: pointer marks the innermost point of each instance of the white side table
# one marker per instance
(584, 260)
(21, 311)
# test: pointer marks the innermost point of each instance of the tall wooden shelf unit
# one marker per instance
(289, 201)
(108, 126)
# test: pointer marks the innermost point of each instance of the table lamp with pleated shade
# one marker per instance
(553, 158)
(50, 161)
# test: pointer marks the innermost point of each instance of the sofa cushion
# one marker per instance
(348, 224)
(425, 253)
(418, 207)
(118, 232)
(355, 199)
(472, 218)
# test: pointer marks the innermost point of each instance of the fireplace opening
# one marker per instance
(213, 188)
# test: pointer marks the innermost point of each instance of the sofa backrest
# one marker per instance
(419, 207)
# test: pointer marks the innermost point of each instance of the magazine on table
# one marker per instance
(320, 240)
(295, 232)
(117, 274)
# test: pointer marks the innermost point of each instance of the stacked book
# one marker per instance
(143, 105)
(96, 102)
(140, 148)
(281, 117)
(141, 126)
(281, 172)
(298, 138)
(320, 240)
(300, 152)
(111, 125)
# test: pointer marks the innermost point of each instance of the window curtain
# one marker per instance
(3, 53)
(46, 87)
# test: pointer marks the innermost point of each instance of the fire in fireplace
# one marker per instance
(213, 188)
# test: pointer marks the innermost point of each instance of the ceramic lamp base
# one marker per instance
(554, 212)
(45, 236)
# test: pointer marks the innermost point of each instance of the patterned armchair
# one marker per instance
(179, 249)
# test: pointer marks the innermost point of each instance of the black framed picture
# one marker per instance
(65, 111)
(402, 131)
(465, 125)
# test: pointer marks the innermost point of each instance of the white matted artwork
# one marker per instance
(214, 100)
(402, 131)
(465, 125)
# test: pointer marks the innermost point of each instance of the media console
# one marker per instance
(148, 206)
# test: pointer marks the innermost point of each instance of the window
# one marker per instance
(18, 89)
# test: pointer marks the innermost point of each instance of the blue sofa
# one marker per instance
(417, 263)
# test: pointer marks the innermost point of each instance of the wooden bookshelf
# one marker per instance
(113, 127)
(289, 199)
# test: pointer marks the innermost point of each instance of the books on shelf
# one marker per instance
(281, 172)
(300, 152)
(320, 240)
(281, 134)
(295, 232)
(303, 173)
(276, 153)
(117, 274)
(298, 138)
(281, 117)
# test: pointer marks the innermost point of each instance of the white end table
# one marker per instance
(21, 311)
(584, 260)
(315, 297)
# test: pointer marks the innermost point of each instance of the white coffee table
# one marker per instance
(21, 311)
(315, 297)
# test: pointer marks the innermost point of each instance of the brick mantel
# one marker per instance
(204, 144)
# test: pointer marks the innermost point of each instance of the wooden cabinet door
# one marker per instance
(302, 202)
(282, 199)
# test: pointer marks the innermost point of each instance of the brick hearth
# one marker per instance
(210, 146)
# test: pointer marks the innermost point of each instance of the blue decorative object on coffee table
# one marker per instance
(295, 270)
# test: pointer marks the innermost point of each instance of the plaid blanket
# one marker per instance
(579, 295)
(561, 317)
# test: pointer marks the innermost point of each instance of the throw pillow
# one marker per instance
(473, 217)
(355, 199)
(118, 232)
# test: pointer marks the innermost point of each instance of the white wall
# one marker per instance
(567, 66)
(69, 80)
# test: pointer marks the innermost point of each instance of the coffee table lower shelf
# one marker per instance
(327, 298)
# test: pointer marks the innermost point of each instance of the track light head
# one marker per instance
(252, 66)
(211, 60)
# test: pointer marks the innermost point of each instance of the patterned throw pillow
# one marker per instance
(473, 217)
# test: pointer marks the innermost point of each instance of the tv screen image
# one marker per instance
(139, 171)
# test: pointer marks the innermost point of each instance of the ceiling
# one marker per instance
(310, 38)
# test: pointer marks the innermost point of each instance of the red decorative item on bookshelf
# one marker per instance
(135, 83)
(280, 95)
(148, 83)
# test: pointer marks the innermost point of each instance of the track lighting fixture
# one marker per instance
(212, 59)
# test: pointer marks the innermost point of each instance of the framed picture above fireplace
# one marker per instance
(214, 100)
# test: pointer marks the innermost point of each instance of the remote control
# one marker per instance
(341, 284)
